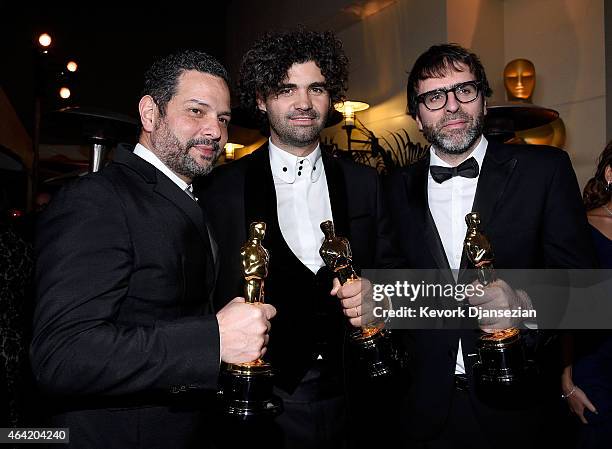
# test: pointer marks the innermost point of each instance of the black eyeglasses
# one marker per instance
(437, 99)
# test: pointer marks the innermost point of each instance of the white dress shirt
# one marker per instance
(449, 203)
(302, 202)
(151, 158)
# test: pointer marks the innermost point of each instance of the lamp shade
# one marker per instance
(350, 107)
(230, 150)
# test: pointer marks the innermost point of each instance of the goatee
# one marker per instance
(176, 155)
(298, 136)
(455, 141)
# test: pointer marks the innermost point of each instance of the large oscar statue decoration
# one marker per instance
(501, 355)
(371, 342)
(246, 388)
(518, 120)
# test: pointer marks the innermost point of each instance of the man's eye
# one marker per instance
(223, 120)
(285, 91)
(318, 90)
(435, 97)
(195, 111)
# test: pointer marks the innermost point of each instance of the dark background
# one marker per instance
(113, 46)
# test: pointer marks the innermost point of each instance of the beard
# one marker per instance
(455, 141)
(298, 136)
(175, 155)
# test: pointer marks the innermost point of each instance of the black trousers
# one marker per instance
(462, 430)
(310, 422)
(467, 428)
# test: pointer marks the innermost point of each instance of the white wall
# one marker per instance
(565, 41)
(382, 49)
(479, 26)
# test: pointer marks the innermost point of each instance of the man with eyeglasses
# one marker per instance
(529, 203)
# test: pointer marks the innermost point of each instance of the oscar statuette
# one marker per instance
(246, 388)
(501, 354)
(371, 341)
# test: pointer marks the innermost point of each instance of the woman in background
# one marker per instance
(587, 384)
(598, 202)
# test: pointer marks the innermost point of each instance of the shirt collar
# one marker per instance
(287, 168)
(146, 154)
(477, 153)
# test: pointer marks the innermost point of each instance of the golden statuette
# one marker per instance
(336, 253)
(255, 259)
(246, 388)
(478, 249)
(501, 356)
(371, 342)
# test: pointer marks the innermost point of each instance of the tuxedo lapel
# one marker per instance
(497, 168)
(338, 197)
(416, 193)
(162, 185)
(213, 245)
(166, 188)
(259, 192)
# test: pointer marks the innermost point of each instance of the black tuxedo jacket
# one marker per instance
(530, 209)
(124, 277)
(308, 320)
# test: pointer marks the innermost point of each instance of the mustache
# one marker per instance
(207, 142)
(459, 115)
(310, 115)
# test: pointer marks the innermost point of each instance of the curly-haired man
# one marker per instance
(290, 81)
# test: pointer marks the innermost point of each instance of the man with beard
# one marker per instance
(125, 341)
(529, 204)
(290, 81)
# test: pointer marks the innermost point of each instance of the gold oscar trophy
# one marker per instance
(371, 341)
(246, 388)
(501, 354)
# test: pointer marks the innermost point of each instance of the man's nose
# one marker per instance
(303, 101)
(211, 128)
(451, 102)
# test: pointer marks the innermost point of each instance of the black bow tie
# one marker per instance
(467, 169)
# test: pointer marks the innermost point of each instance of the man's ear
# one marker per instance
(484, 108)
(261, 103)
(418, 120)
(148, 112)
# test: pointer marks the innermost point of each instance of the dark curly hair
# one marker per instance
(265, 65)
(436, 62)
(595, 192)
(161, 79)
